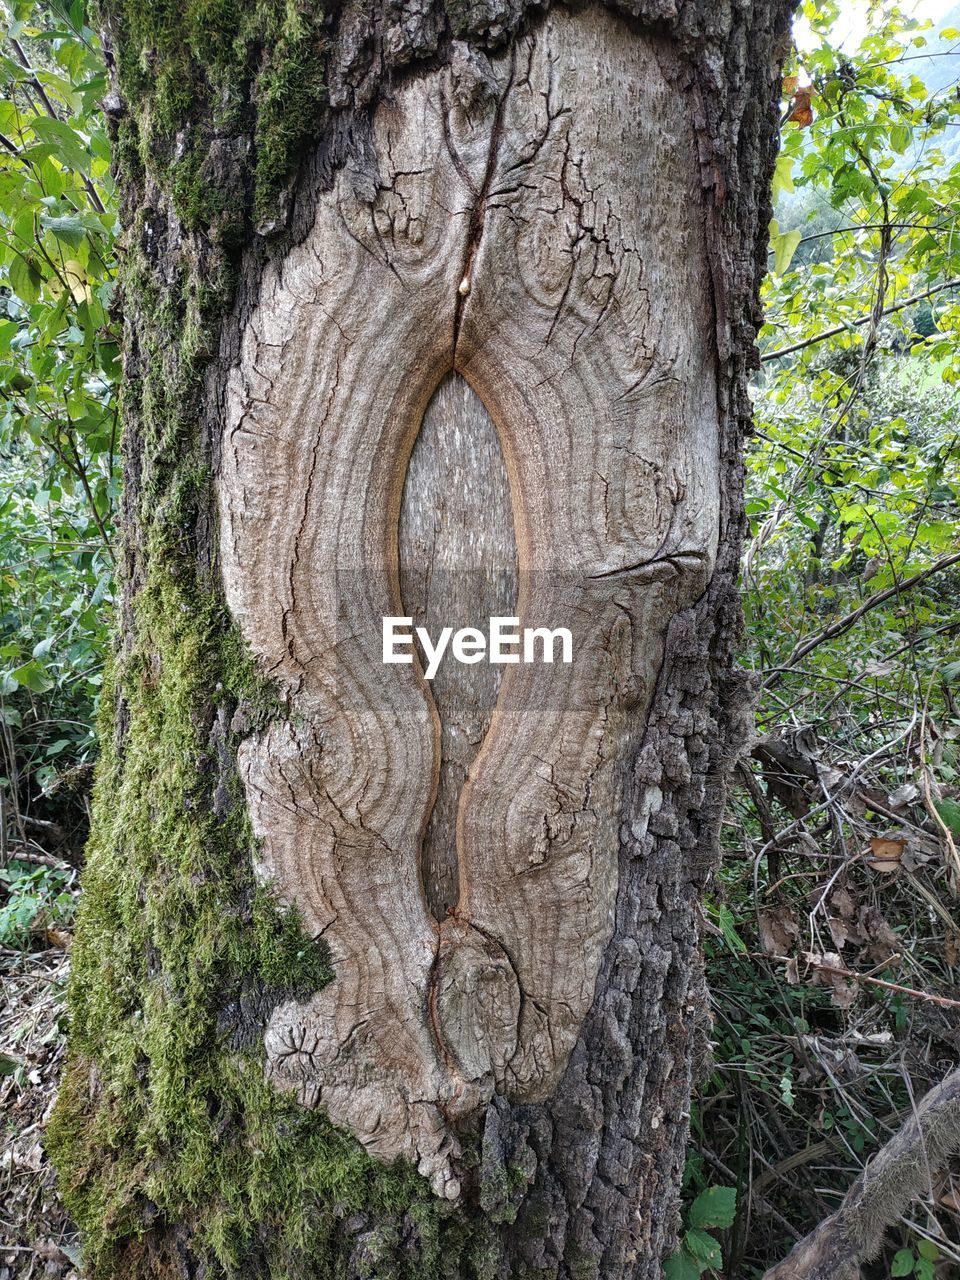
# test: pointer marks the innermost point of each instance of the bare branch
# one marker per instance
(849, 620)
(843, 328)
(851, 975)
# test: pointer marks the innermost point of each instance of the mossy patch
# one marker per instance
(165, 1116)
(226, 96)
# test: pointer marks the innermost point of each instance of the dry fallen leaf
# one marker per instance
(840, 931)
(841, 918)
(886, 853)
(830, 776)
(842, 991)
(880, 942)
(842, 901)
(903, 795)
(778, 930)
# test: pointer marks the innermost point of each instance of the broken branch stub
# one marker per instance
(535, 249)
(901, 1171)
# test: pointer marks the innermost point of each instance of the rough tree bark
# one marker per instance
(447, 312)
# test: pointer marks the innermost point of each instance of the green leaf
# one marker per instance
(43, 647)
(680, 1266)
(784, 247)
(949, 811)
(25, 279)
(783, 175)
(715, 1207)
(900, 138)
(786, 1090)
(705, 1248)
(902, 1264)
(69, 228)
(63, 142)
(33, 677)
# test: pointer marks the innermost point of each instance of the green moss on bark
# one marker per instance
(165, 1116)
(208, 71)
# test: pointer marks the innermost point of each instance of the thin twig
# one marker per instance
(844, 328)
(840, 972)
(849, 620)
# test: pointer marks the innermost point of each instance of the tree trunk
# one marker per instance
(444, 314)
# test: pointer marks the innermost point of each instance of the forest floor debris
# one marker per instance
(37, 1238)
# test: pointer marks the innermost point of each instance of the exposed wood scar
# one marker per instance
(455, 845)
